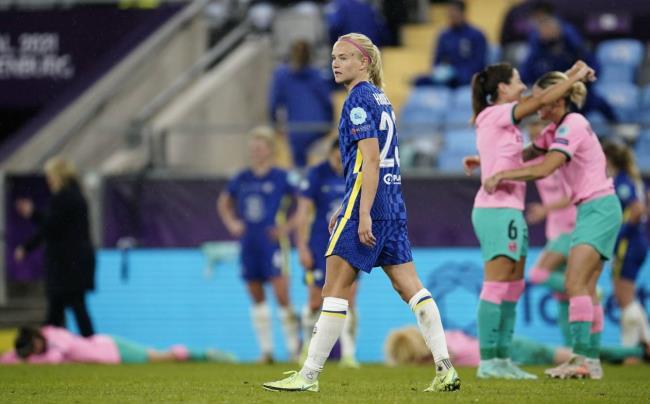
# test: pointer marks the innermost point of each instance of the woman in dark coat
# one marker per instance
(69, 251)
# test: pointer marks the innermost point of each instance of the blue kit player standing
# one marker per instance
(631, 245)
(321, 194)
(369, 228)
(253, 208)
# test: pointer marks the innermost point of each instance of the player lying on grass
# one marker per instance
(406, 346)
(56, 345)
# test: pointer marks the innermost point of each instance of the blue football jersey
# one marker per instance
(259, 200)
(629, 191)
(325, 188)
(367, 113)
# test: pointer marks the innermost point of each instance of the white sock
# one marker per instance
(308, 321)
(290, 329)
(634, 324)
(349, 335)
(430, 324)
(261, 316)
(327, 330)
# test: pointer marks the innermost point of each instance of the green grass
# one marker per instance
(204, 382)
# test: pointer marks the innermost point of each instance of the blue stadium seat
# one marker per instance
(451, 162)
(456, 119)
(424, 110)
(433, 98)
(460, 141)
(642, 145)
(462, 98)
(624, 99)
(494, 54)
(417, 122)
(645, 96)
(619, 60)
(642, 150)
(598, 123)
(644, 110)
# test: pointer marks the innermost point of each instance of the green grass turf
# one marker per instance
(204, 382)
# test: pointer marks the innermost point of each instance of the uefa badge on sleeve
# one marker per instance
(358, 115)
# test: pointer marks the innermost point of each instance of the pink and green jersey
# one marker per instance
(585, 171)
(500, 145)
(66, 347)
(552, 189)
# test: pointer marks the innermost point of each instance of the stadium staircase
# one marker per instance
(413, 58)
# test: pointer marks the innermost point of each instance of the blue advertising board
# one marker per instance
(164, 297)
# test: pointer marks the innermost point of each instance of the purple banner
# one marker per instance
(49, 57)
(182, 212)
(162, 213)
(43, 52)
(19, 230)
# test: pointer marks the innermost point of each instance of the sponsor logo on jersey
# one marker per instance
(562, 141)
(358, 115)
(362, 128)
(392, 179)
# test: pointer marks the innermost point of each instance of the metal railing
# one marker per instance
(151, 46)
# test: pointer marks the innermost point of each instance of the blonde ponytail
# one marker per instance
(375, 68)
(576, 95)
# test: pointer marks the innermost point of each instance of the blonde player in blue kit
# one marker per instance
(250, 208)
(369, 229)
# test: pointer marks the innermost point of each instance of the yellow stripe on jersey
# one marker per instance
(617, 265)
(356, 188)
(358, 161)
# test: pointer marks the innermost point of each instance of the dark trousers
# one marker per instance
(56, 305)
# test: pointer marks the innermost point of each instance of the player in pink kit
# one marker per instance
(497, 216)
(54, 345)
(574, 148)
(560, 215)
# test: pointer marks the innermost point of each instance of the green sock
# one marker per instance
(594, 345)
(506, 329)
(563, 321)
(580, 337)
(489, 319)
(555, 282)
(618, 354)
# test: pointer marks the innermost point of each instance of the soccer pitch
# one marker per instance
(196, 382)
